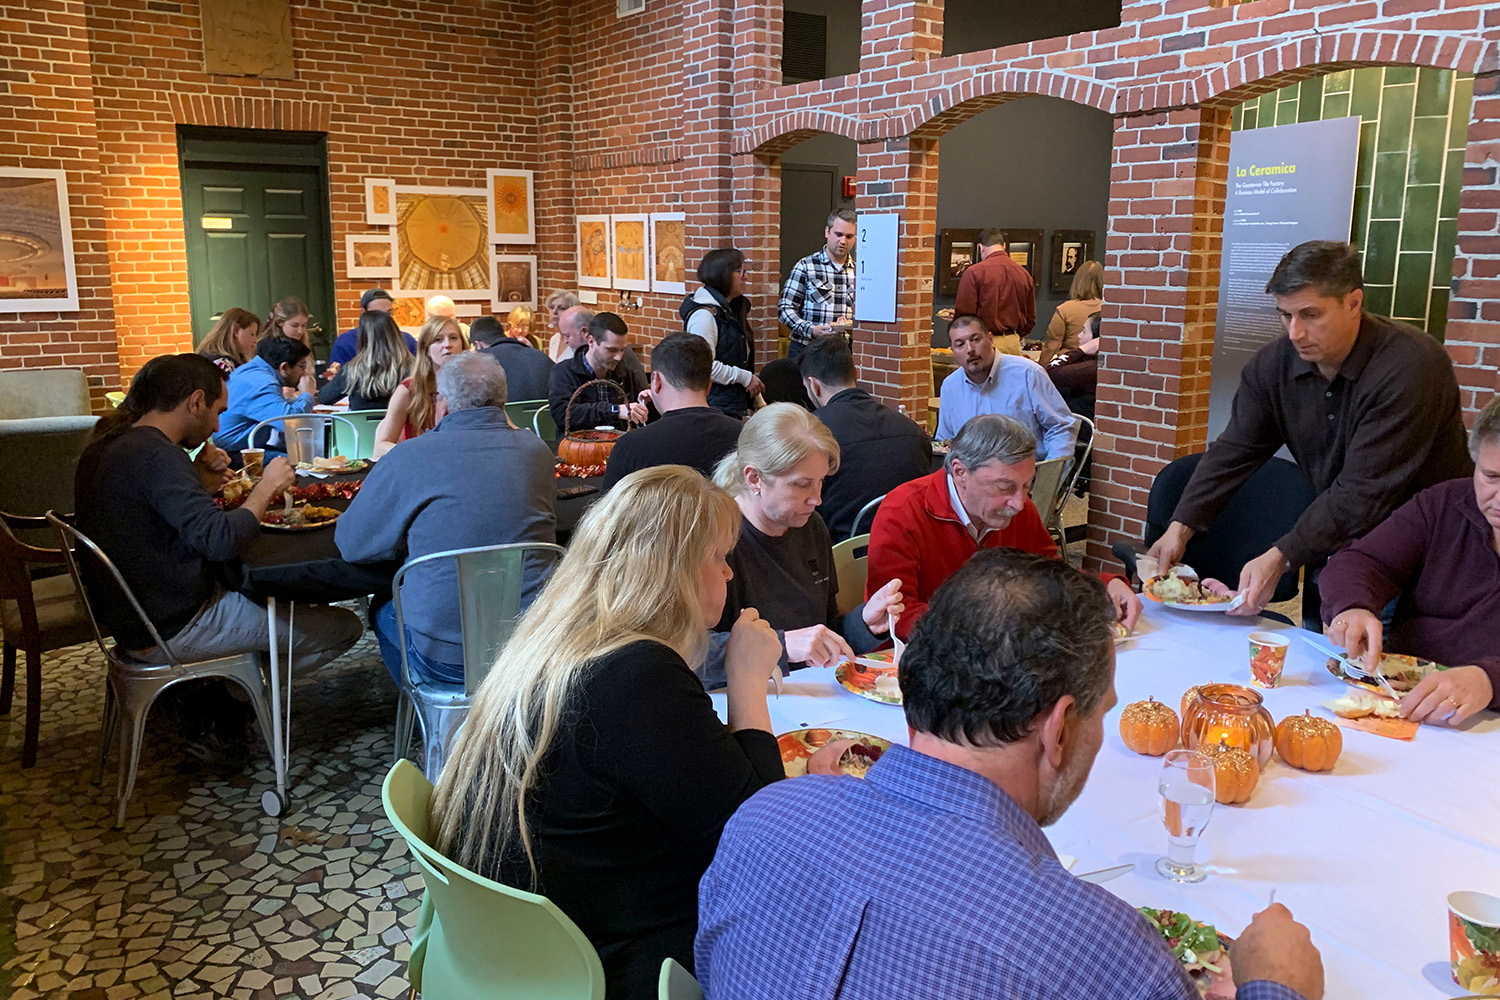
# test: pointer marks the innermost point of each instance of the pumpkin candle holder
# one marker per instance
(1228, 714)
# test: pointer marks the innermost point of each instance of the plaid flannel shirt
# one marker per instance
(818, 292)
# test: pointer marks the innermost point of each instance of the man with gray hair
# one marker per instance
(981, 499)
(573, 324)
(472, 480)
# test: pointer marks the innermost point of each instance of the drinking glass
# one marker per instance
(1187, 803)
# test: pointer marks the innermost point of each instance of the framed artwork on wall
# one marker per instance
(512, 205)
(514, 282)
(593, 251)
(371, 255)
(37, 270)
(409, 313)
(1025, 248)
(669, 253)
(442, 242)
(630, 251)
(1070, 249)
(380, 201)
(956, 251)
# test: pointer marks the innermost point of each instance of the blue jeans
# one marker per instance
(421, 668)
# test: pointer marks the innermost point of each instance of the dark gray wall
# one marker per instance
(971, 25)
(843, 31)
(803, 210)
(1035, 163)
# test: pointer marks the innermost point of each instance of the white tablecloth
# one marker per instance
(1365, 856)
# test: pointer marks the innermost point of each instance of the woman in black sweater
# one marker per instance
(592, 768)
(381, 360)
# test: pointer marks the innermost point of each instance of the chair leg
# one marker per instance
(133, 708)
(106, 730)
(8, 678)
(33, 705)
(405, 720)
(438, 731)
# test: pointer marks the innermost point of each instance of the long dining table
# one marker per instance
(1365, 855)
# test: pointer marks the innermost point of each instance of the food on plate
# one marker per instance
(871, 678)
(1236, 772)
(300, 517)
(1401, 672)
(860, 752)
(1309, 742)
(1149, 727)
(235, 491)
(1184, 590)
(1360, 704)
(1199, 947)
(1122, 632)
(332, 463)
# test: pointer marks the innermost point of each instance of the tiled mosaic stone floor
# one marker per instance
(202, 895)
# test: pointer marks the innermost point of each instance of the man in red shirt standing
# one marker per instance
(927, 528)
(998, 291)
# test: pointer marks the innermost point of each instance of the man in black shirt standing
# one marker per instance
(1368, 407)
(690, 432)
(150, 508)
(606, 343)
(527, 370)
(879, 448)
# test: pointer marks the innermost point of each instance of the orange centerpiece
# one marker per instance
(1229, 714)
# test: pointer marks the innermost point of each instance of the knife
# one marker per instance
(1105, 874)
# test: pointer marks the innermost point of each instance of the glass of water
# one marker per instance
(1187, 803)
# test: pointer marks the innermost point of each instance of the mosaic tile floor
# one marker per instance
(202, 895)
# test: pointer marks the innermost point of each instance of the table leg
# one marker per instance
(273, 802)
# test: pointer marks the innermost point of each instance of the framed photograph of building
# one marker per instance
(442, 242)
(380, 201)
(669, 253)
(593, 251)
(371, 255)
(1070, 249)
(956, 251)
(630, 251)
(512, 205)
(514, 282)
(37, 270)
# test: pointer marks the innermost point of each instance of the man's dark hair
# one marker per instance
(829, 360)
(991, 237)
(161, 385)
(1003, 640)
(684, 360)
(277, 351)
(965, 319)
(485, 330)
(1327, 265)
(606, 323)
(840, 215)
(718, 267)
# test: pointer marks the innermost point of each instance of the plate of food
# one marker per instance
(303, 517)
(798, 746)
(1202, 950)
(1402, 672)
(1372, 713)
(872, 677)
(1187, 594)
(332, 465)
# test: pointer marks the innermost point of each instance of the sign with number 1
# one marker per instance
(875, 267)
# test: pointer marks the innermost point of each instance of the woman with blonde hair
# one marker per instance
(783, 560)
(415, 408)
(232, 340)
(380, 361)
(1084, 299)
(518, 324)
(592, 768)
(288, 318)
(557, 304)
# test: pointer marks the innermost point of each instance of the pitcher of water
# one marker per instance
(304, 440)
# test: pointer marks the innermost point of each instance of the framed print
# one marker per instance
(409, 313)
(593, 251)
(371, 255)
(380, 201)
(514, 282)
(629, 251)
(512, 205)
(956, 251)
(442, 242)
(1070, 249)
(1025, 248)
(37, 271)
(669, 253)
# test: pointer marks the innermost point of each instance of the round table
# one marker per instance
(1365, 856)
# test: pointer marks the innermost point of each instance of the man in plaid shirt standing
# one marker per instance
(819, 293)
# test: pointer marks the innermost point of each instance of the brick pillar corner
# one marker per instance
(1472, 335)
(899, 31)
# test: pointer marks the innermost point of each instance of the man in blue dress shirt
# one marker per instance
(278, 382)
(987, 381)
(932, 877)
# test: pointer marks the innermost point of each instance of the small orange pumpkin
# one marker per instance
(1235, 773)
(1308, 742)
(1149, 727)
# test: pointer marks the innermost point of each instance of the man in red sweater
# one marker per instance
(926, 529)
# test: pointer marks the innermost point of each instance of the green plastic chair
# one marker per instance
(543, 424)
(476, 939)
(360, 441)
(520, 412)
(677, 983)
(115, 398)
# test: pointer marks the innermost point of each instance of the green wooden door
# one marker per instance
(257, 233)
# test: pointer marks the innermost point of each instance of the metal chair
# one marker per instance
(1047, 486)
(1053, 518)
(851, 564)
(521, 412)
(361, 443)
(543, 424)
(300, 446)
(859, 518)
(677, 983)
(490, 583)
(134, 685)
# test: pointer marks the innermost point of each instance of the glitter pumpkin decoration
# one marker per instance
(1231, 713)
(1149, 727)
(1235, 772)
(1308, 742)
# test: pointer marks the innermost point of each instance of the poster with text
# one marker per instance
(1287, 184)
(875, 250)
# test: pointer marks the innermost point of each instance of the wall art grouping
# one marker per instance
(633, 252)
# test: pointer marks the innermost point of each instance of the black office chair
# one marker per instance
(1263, 510)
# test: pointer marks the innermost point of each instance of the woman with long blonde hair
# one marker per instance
(783, 559)
(232, 340)
(415, 408)
(1085, 297)
(592, 767)
(288, 318)
(380, 362)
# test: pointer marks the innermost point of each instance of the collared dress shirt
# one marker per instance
(1000, 292)
(818, 292)
(925, 881)
(1015, 387)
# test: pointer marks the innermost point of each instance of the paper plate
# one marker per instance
(799, 745)
(862, 675)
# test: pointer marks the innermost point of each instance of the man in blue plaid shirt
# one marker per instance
(819, 293)
(932, 877)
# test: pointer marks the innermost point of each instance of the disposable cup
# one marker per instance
(1474, 941)
(1267, 658)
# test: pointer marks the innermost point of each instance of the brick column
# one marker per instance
(707, 102)
(895, 359)
(899, 31)
(557, 262)
(1167, 188)
(755, 215)
(1473, 332)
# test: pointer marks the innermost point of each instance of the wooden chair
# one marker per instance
(37, 615)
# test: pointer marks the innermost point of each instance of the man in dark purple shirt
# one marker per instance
(1440, 554)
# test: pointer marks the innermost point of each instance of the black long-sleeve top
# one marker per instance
(598, 405)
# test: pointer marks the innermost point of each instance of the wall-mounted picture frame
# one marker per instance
(1025, 248)
(956, 251)
(669, 252)
(371, 255)
(593, 251)
(513, 277)
(512, 204)
(442, 243)
(630, 251)
(1070, 249)
(380, 201)
(37, 269)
